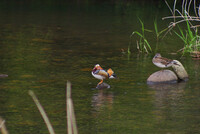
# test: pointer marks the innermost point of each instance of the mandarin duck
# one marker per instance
(99, 73)
(162, 62)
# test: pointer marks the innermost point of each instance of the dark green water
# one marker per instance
(41, 50)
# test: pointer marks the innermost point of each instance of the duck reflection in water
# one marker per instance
(102, 99)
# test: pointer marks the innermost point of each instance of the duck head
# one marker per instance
(97, 67)
(157, 55)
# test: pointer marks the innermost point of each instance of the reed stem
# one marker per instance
(3, 126)
(42, 112)
(71, 120)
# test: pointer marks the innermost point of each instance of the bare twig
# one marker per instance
(195, 26)
(188, 9)
(184, 15)
(174, 9)
(195, 8)
(169, 7)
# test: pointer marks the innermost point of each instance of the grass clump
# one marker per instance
(143, 44)
(191, 39)
(190, 14)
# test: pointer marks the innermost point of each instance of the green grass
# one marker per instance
(143, 44)
(190, 38)
(190, 16)
(158, 34)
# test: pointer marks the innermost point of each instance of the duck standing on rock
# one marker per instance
(99, 73)
(167, 76)
(162, 62)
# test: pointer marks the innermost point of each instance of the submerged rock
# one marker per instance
(103, 85)
(3, 75)
(162, 76)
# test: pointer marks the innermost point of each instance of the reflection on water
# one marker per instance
(168, 93)
(102, 99)
(169, 106)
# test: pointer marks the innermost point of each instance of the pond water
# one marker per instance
(41, 49)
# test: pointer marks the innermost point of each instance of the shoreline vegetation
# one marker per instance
(188, 32)
(190, 14)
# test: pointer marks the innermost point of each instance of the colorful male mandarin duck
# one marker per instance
(99, 73)
(162, 62)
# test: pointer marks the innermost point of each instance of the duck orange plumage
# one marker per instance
(99, 73)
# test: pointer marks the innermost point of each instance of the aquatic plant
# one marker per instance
(190, 37)
(158, 33)
(143, 44)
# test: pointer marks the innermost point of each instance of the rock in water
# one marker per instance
(163, 76)
(180, 71)
(103, 85)
(3, 75)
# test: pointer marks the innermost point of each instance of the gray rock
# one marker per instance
(162, 76)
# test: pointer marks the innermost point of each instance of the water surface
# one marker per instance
(41, 49)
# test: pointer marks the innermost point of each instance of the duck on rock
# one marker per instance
(167, 76)
(99, 73)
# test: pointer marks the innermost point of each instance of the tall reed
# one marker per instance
(71, 120)
(3, 126)
(42, 112)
